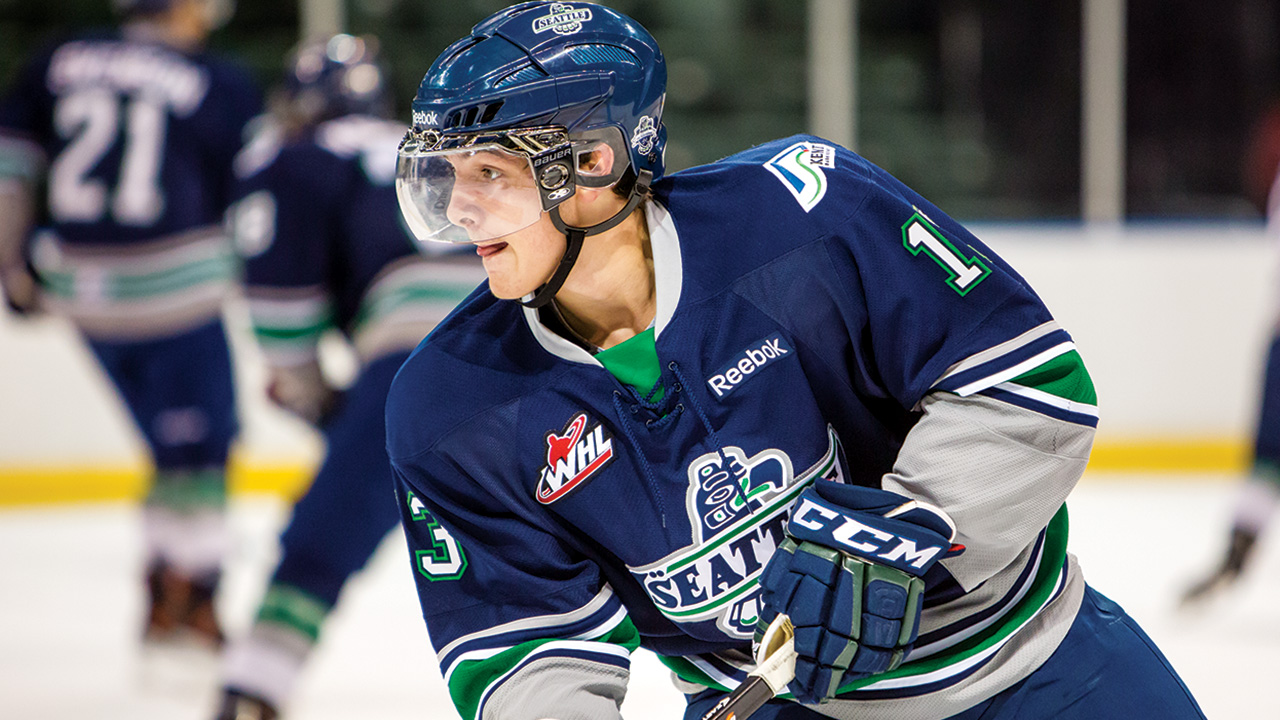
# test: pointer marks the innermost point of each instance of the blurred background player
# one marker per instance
(1256, 500)
(318, 224)
(121, 142)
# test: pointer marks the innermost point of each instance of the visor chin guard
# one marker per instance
(576, 235)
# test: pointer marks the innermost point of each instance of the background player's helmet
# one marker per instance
(543, 81)
(335, 76)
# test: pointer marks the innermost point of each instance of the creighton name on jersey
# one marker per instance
(805, 332)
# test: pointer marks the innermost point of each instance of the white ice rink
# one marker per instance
(70, 606)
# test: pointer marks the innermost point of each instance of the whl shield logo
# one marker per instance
(573, 457)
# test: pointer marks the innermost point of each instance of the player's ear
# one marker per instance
(596, 162)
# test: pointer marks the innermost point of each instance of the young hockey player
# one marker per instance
(129, 135)
(324, 247)
(779, 383)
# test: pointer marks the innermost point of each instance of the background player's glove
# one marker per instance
(303, 391)
(850, 575)
(21, 288)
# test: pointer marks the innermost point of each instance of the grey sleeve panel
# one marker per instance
(559, 688)
(1000, 471)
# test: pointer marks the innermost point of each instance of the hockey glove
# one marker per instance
(21, 288)
(850, 576)
(303, 391)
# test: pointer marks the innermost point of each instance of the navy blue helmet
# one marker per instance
(336, 76)
(549, 80)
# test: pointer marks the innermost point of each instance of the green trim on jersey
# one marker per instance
(188, 491)
(383, 302)
(1064, 376)
(1046, 580)
(126, 287)
(635, 363)
(294, 609)
(471, 681)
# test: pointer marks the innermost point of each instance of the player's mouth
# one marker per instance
(492, 249)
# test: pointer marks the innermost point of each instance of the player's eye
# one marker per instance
(490, 173)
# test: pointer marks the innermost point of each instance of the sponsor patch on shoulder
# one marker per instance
(799, 167)
(574, 455)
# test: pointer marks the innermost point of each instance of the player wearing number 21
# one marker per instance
(781, 383)
(129, 135)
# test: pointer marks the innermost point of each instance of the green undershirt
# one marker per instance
(635, 363)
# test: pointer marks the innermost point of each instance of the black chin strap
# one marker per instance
(575, 236)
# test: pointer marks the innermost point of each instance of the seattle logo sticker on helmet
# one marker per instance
(799, 167)
(573, 456)
(645, 135)
(562, 20)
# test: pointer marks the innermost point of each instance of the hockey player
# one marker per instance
(129, 136)
(779, 383)
(317, 222)
(1257, 498)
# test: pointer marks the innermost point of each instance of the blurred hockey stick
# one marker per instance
(775, 667)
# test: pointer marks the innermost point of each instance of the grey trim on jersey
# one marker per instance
(561, 688)
(668, 274)
(1000, 471)
(1025, 651)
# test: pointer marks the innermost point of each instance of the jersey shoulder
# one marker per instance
(477, 359)
(741, 213)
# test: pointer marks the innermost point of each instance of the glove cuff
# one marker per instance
(893, 541)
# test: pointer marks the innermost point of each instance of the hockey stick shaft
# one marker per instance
(775, 667)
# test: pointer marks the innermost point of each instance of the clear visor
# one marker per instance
(475, 188)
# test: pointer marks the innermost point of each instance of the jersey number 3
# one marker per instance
(963, 274)
(90, 121)
(445, 560)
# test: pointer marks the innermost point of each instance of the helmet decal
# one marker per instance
(563, 20)
(645, 135)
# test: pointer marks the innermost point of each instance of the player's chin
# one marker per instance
(504, 288)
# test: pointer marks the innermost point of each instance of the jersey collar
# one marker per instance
(668, 280)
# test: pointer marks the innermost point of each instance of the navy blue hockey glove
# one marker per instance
(850, 576)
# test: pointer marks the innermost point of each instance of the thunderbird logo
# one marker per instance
(573, 456)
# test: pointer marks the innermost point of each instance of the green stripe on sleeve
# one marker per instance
(1064, 376)
(472, 678)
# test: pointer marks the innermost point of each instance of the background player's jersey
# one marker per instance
(318, 224)
(136, 141)
(816, 321)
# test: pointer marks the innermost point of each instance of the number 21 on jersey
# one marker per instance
(93, 121)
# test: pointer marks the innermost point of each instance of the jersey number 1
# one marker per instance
(963, 274)
(90, 121)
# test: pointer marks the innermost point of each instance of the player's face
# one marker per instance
(493, 194)
(490, 199)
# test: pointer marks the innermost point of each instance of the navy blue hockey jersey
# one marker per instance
(317, 222)
(134, 141)
(817, 321)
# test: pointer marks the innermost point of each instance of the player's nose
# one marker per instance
(463, 210)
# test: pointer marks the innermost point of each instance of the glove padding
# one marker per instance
(850, 575)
